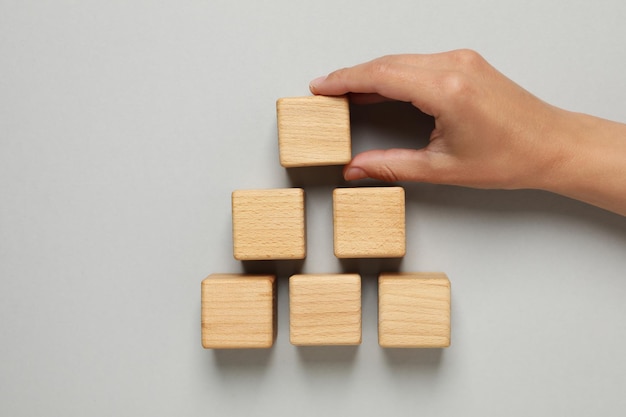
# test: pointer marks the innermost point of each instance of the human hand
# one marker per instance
(489, 132)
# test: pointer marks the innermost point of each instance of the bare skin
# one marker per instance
(489, 132)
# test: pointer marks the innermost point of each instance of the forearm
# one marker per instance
(592, 164)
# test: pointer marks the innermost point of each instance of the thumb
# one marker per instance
(390, 165)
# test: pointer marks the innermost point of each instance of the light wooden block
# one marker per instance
(313, 131)
(414, 310)
(238, 311)
(369, 222)
(325, 309)
(268, 224)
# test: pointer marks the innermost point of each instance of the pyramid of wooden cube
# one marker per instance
(268, 224)
(369, 222)
(313, 131)
(325, 309)
(238, 311)
(413, 310)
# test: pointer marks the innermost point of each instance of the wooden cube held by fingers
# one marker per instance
(325, 309)
(414, 310)
(238, 311)
(313, 131)
(268, 224)
(369, 222)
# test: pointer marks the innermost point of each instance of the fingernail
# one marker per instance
(354, 174)
(313, 84)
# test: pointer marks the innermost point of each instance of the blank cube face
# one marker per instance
(369, 222)
(268, 224)
(414, 310)
(238, 311)
(313, 131)
(325, 309)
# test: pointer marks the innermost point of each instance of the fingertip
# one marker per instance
(354, 173)
(313, 85)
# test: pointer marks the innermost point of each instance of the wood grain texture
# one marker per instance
(313, 131)
(325, 309)
(369, 222)
(238, 311)
(414, 310)
(268, 224)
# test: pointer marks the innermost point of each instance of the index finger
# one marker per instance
(386, 77)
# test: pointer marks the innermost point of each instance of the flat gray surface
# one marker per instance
(124, 127)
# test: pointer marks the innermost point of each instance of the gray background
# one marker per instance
(124, 127)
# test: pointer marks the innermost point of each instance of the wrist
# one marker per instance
(588, 161)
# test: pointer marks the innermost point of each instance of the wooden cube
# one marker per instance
(313, 131)
(414, 310)
(325, 309)
(268, 224)
(369, 222)
(238, 311)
